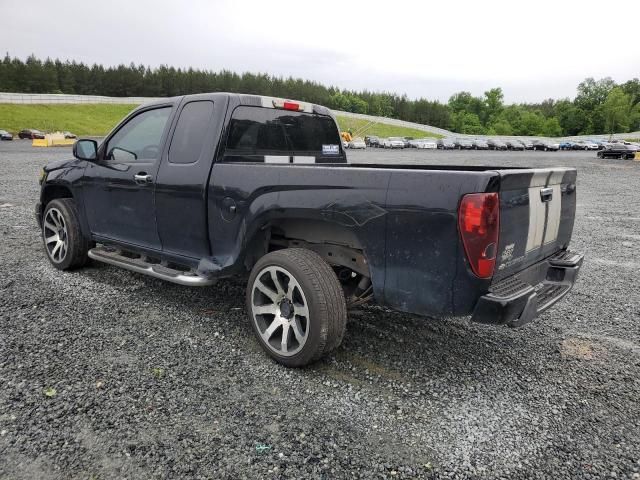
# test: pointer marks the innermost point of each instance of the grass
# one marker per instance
(99, 119)
(90, 119)
(381, 129)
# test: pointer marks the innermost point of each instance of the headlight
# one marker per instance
(43, 176)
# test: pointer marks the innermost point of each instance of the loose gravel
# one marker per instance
(106, 374)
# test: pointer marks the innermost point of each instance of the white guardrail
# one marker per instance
(50, 98)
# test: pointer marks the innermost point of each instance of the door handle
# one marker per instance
(142, 178)
(546, 194)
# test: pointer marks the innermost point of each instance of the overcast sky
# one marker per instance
(533, 50)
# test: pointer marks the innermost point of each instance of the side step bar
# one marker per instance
(157, 270)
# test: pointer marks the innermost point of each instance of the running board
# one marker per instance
(157, 270)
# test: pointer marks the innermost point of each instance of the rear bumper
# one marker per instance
(521, 298)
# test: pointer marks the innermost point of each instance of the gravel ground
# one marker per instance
(108, 374)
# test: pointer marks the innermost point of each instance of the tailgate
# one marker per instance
(537, 209)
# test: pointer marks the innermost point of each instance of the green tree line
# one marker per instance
(600, 106)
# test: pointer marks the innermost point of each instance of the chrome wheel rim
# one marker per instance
(54, 231)
(280, 311)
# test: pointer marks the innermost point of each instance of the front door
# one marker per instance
(119, 186)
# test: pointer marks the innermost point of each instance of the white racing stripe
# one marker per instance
(536, 209)
(538, 214)
(300, 159)
(553, 215)
(277, 159)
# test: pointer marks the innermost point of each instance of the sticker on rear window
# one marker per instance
(330, 149)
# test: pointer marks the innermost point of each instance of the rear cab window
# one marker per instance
(259, 134)
(191, 129)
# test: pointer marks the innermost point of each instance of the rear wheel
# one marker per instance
(64, 243)
(296, 306)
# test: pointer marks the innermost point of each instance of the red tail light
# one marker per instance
(479, 224)
(287, 105)
(291, 106)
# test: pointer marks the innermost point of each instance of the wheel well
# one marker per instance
(337, 244)
(52, 192)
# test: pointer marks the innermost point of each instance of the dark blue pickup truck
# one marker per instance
(196, 188)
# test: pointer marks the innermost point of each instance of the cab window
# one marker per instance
(257, 131)
(139, 138)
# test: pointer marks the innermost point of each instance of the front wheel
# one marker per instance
(296, 306)
(64, 243)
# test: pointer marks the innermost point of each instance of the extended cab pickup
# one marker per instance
(196, 188)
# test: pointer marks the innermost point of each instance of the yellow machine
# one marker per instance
(52, 140)
(346, 136)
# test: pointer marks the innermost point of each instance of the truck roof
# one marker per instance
(249, 100)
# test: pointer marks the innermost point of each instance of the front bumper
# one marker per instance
(522, 297)
(38, 213)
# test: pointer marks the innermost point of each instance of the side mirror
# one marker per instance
(85, 149)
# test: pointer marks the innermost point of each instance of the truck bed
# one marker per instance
(403, 217)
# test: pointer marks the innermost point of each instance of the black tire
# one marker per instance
(324, 297)
(76, 245)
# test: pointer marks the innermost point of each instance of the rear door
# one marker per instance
(537, 210)
(181, 186)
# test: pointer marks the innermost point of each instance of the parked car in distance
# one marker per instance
(528, 144)
(463, 144)
(480, 144)
(618, 150)
(30, 133)
(584, 145)
(357, 144)
(545, 145)
(4, 135)
(513, 144)
(69, 135)
(345, 144)
(372, 141)
(197, 188)
(633, 146)
(423, 143)
(566, 145)
(496, 144)
(446, 143)
(393, 142)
